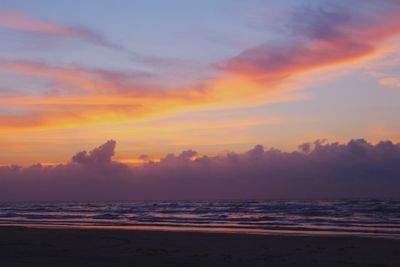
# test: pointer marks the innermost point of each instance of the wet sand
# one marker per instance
(21, 246)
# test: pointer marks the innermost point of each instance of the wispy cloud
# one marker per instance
(23, 23)
(320, 39)
(84, 93)
(258, 75)
(393, 82)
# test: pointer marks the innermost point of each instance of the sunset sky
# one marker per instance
(161, 77)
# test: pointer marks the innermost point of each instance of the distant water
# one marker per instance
(379, 218)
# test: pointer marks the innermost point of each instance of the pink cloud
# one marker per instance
(20, 22)
(320, 39)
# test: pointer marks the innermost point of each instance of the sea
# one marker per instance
(367, 217)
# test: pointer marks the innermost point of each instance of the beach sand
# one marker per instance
(93, 247)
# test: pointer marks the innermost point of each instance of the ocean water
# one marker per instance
(378, 218)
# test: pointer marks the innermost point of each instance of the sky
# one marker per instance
(103, 100)
(214, 77)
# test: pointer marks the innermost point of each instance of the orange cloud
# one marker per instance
(97, 96)
(393, 82)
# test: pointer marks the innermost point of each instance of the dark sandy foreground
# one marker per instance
(64, 247)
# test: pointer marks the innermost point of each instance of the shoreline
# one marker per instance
(23, 246)
(219, 230)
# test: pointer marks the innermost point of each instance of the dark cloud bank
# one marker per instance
(316, 170)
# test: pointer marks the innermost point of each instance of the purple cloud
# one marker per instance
(316, 170)
(99, 155)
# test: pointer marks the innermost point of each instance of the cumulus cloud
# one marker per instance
(99, 155)
(317, 170)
